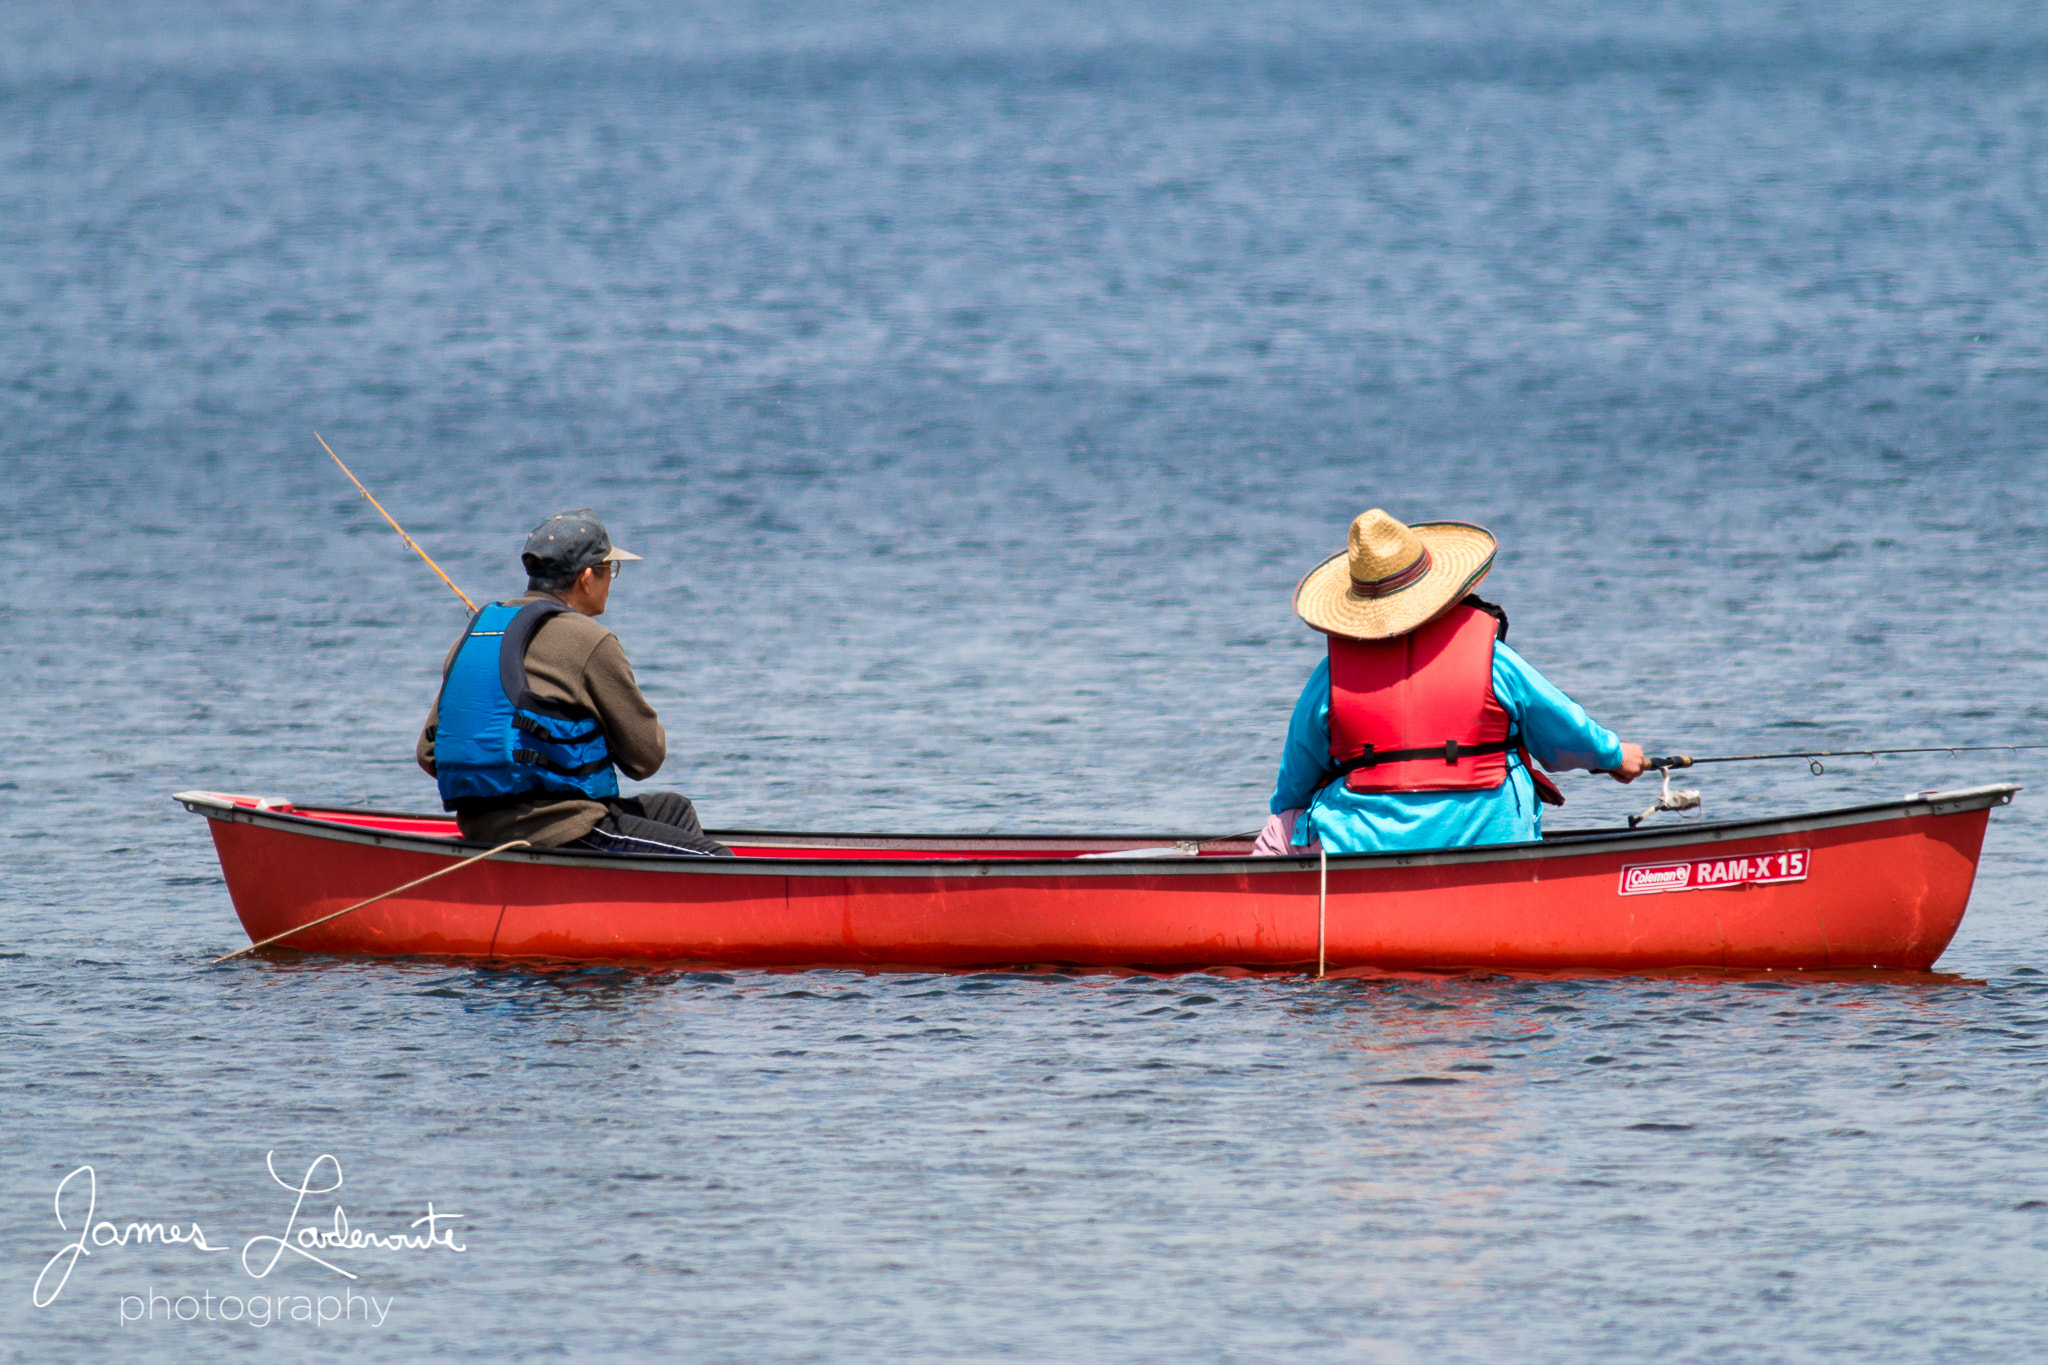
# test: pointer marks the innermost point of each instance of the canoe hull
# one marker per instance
(1875, 887)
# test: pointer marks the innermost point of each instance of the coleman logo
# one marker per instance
(1675, 878)
(1641, 879)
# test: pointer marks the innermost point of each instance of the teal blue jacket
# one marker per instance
(1556, 729)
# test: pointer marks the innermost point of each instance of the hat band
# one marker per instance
(1393, 582)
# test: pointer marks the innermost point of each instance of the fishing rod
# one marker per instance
(400, 529)
(1814, 756)
(1690, 799)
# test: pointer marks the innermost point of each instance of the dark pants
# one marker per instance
(653, 822)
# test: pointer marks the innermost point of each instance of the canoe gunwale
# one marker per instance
(218, 806)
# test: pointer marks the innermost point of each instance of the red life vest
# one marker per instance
(1417, 713)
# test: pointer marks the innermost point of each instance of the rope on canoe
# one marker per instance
(382, 895)
(1322, 901)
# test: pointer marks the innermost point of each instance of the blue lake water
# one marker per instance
(977, 381)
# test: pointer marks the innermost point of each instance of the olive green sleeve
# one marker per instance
(632, 730)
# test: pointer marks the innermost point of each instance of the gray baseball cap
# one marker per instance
(569, 542)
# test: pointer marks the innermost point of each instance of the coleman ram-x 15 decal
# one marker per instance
(1705, 874)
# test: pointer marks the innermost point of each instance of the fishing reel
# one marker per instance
(1685, 798)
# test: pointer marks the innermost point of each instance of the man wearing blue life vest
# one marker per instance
(1417, 730)
(538, 706)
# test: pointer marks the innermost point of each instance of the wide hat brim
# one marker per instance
(1460, 555)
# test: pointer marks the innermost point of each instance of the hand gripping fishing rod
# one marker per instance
(395, 526)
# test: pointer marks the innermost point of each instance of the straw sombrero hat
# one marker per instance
(1393, 578)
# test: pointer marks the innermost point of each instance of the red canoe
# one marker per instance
(1868, 886)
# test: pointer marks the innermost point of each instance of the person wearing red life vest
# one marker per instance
(1418, 729)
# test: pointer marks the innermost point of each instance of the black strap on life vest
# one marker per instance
(534, 727)
(1450, 752)
(1546, 790)
(1493, 609)
(534, 758)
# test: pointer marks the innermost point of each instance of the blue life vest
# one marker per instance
(495, 743)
